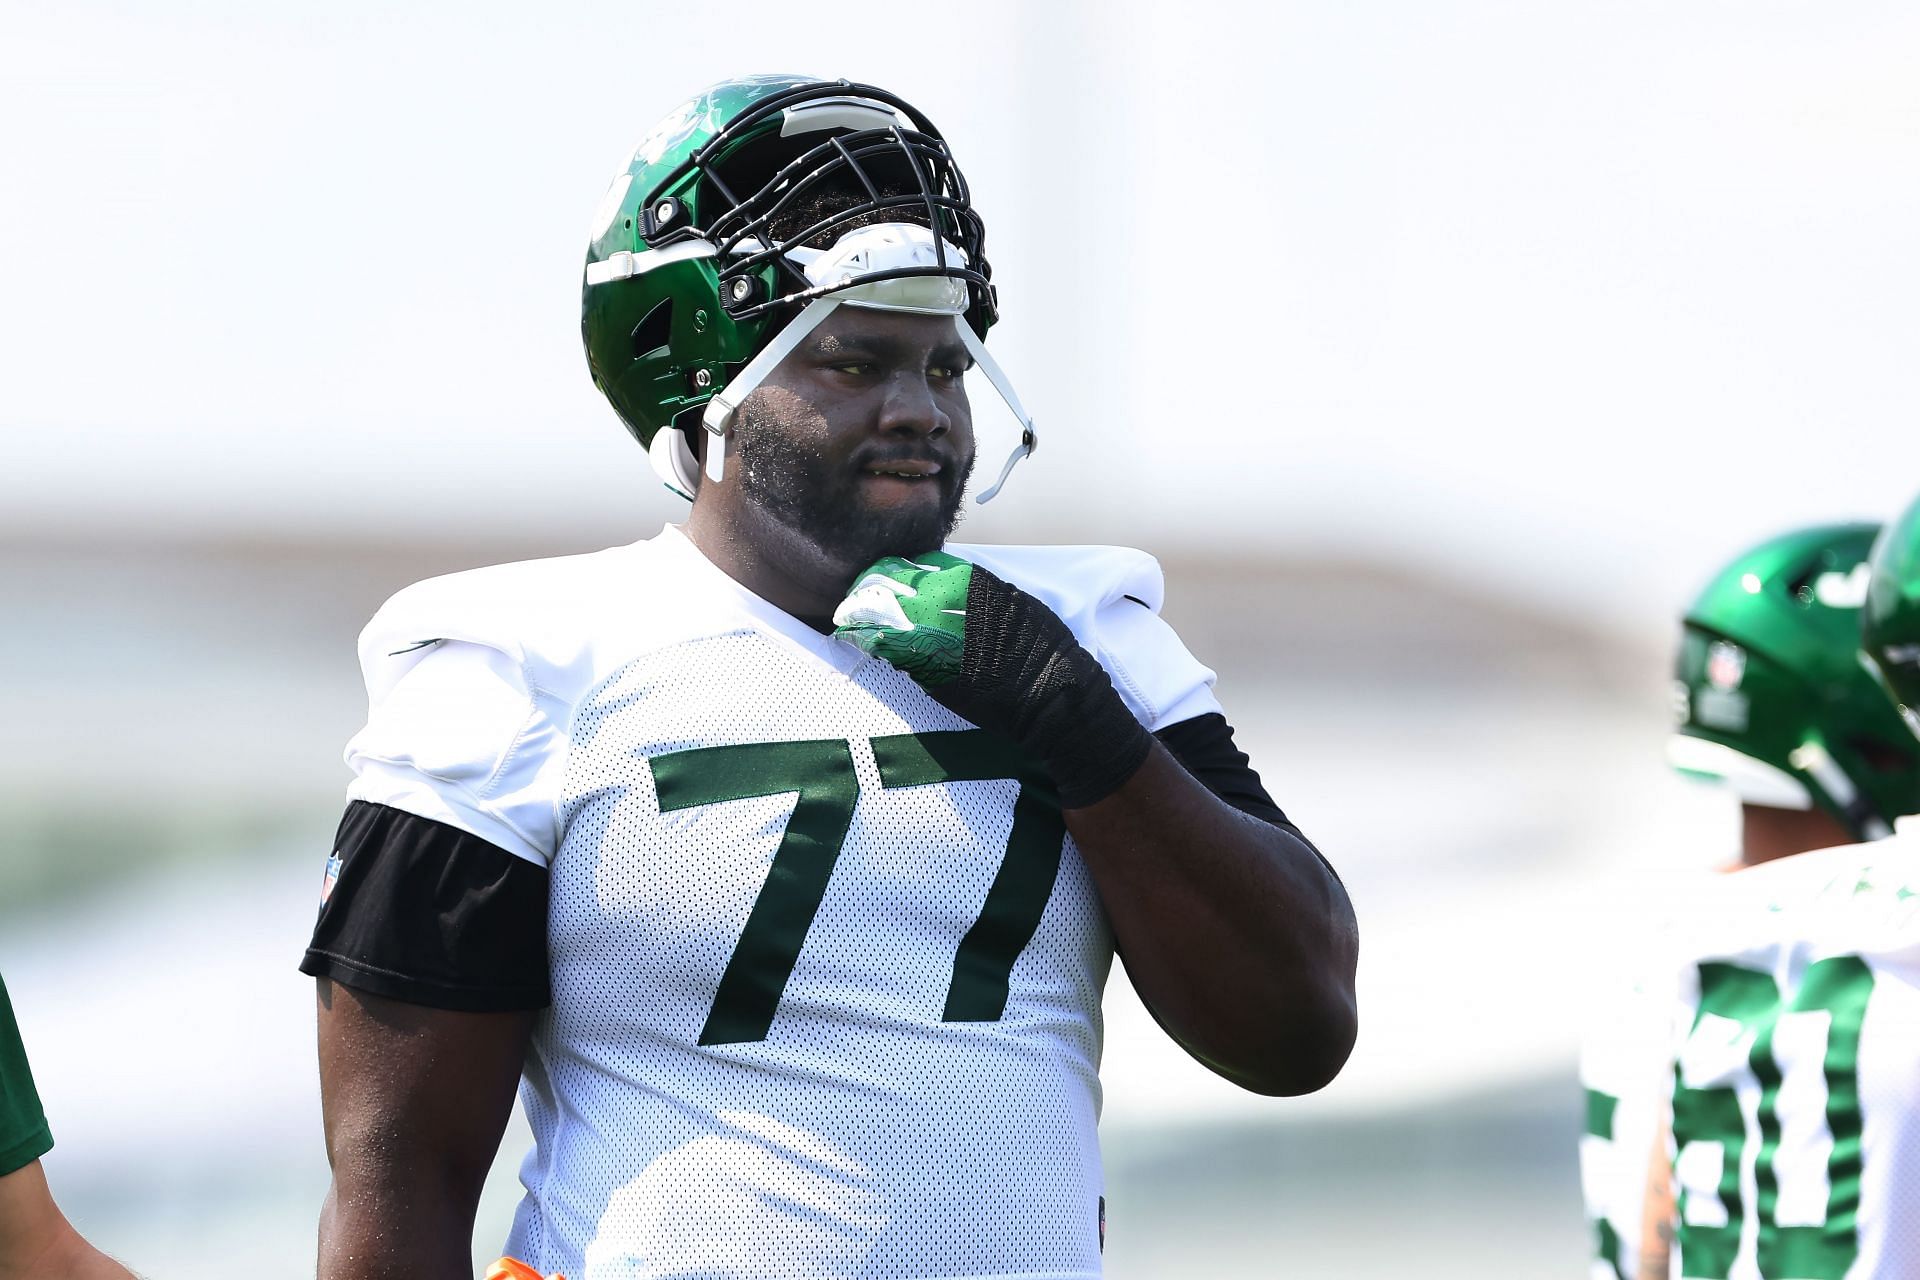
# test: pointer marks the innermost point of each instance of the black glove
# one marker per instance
(1019, 670)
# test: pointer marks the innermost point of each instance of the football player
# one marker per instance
(1771, 701)
(1794, 1053)
(36, 1240)
(784, 853)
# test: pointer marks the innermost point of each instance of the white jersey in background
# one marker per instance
(1796, 1086)
(1626, 1072)
(826, 972)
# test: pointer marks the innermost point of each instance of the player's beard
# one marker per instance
(821, 499)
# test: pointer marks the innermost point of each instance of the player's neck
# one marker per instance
(774, 562)
(1768, 834)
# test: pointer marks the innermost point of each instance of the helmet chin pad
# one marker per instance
(1753, 781)
(673, 462)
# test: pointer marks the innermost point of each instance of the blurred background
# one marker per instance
(1438, 349)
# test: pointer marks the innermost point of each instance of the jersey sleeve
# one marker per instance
(417, 910)
(459, 729)
(436, 892)
(24, 1136)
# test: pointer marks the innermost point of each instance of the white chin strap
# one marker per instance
(862, 251)
(1756, 782)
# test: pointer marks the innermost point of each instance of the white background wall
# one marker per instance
(1572, 299)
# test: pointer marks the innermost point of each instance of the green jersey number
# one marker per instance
(821, 773)
(1839, 987)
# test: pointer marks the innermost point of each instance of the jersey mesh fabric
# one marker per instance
(741, 814)
(24, 1136)
(1799, 1012)
(863, 1136)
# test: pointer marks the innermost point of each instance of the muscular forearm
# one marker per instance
(1234, 933)
(393, 1235)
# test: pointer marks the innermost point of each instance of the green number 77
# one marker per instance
(821, 772)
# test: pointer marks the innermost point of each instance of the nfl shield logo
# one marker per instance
(1726, 664)
(330, 878)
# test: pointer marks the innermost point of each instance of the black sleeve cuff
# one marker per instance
(420, 911)
(1204, 747)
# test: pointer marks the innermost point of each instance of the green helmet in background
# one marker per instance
(1890, 622)
(1770, 692)
(741, 221)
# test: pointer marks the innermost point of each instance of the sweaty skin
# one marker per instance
(1767, 833)
(1236, 936)
(801, 510)
(1240, 941)
(413, 1102)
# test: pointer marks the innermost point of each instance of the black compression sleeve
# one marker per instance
(424, 912)
(1204, 747)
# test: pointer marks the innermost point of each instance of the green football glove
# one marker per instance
(990, 652)
(911, 613)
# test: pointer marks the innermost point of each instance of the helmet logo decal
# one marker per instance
(1721, 705)
(1726, 665)
(1843, 590)
(610, 205)
(679, 124)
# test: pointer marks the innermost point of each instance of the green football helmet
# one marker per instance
(741, 221)
(1770, 693)
(1890, 623)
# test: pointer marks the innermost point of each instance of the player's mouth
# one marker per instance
(908, 470)
(903, 482)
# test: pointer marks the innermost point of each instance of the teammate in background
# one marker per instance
(36, 1240)
(1796, 1093)
(820, 838)
(1773, 702)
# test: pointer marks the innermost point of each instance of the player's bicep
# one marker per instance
(414, 1100)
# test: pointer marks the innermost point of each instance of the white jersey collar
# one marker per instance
(677, 546)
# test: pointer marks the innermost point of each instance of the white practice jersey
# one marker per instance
(1796, 1083)
(826, 971)
(1626, 1070)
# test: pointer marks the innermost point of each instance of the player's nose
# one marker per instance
(910, 406)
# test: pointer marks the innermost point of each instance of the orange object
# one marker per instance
(514, 1269)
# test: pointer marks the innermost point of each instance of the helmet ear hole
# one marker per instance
(654, 331)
